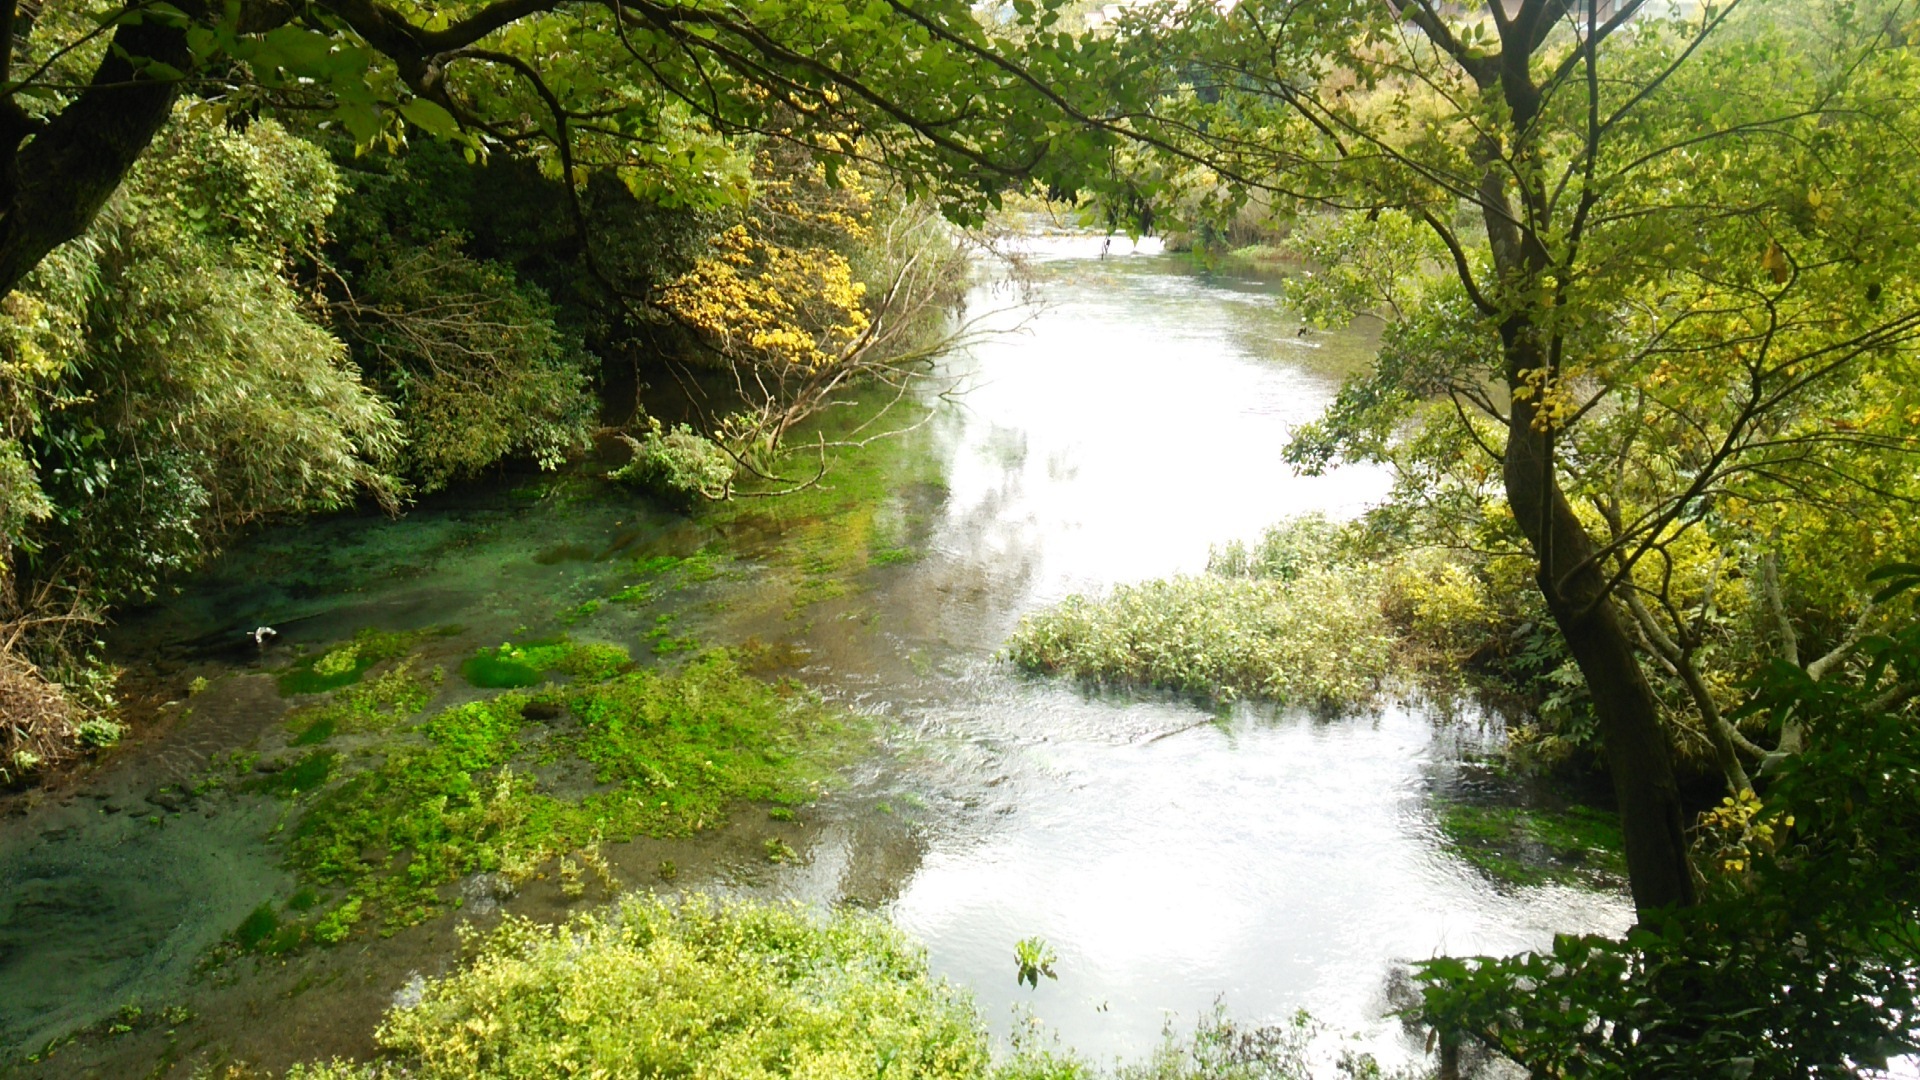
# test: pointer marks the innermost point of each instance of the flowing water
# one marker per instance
(1171, 856)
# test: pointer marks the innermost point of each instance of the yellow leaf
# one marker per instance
(1775, 261)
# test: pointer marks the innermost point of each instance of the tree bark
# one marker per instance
(1576, 592)
(52, 187)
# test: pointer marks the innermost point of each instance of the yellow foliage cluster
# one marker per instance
(758, 301)
(1558, 404)
(1732, 835)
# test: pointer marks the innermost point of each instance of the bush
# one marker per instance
(677, 464)
(1317, 639)
(473, 360)
(706, 988)
(1285, 551)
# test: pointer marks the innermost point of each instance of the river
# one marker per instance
(1172, 857)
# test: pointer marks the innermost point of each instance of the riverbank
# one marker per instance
(1167, 854)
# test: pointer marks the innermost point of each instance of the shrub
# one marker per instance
(1285, 551)
(473, 360)
(1317, 639)
(703, 989)
(677, 464)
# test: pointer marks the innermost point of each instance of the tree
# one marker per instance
(646, 90)
(1663, 268)
(1804, 959)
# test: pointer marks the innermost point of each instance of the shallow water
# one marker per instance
(1170, 857)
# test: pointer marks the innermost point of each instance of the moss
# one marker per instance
(668, 753)
(347, 663)
(1534, 846)
(376, 706)
(513, 667)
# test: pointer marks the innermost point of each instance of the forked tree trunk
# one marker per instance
(1575, 588)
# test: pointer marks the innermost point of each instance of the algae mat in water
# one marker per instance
(506, 784)
(1532, 846)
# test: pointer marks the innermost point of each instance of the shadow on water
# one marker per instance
(1169, 855)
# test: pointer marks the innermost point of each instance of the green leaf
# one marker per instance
(430, 117)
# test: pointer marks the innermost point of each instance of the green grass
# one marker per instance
(1532, 846)
(668, 753)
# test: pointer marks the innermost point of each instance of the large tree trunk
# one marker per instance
(51, 187)
(1575, 587)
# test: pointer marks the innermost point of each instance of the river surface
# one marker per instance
(1172, 857)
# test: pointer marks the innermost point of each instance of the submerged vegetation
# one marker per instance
(1532, 846)
(506, 785)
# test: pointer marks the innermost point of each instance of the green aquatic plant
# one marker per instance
(747, 991)
(376, 706)
(751, 990)
(1032, 958)
(465, 792)
(513, 667)
(665, 642)
(304, 774)
(1318, 638)
(1519, 845)
(348, 662)
(337, 662)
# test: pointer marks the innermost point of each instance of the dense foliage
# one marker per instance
(703, 989)
(1803, 960)
(1292, 623)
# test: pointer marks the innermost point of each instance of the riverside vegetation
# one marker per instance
(1648, 288)
(712, 988)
